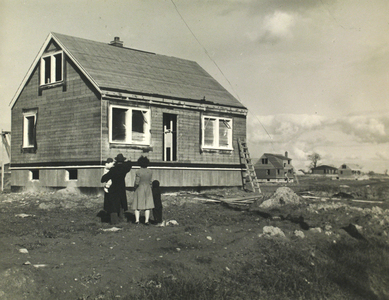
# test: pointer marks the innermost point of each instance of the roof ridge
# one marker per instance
(107, 44)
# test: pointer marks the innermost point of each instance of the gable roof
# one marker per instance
(351, 166)
(278, 156)
(128, 70)
(276, 160)
(321, 167)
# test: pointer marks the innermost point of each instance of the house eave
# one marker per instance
(171, 102)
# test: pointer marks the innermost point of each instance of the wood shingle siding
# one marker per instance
(70, 114)
(68, 123)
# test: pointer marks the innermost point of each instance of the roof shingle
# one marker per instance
(134, 71)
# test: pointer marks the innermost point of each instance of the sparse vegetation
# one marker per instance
(214, 253)
(277, 269)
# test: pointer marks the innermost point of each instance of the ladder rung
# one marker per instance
(251, 176)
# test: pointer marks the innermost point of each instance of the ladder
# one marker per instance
(249, 177)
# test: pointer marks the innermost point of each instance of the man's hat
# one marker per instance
(120, 158)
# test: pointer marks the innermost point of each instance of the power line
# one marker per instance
(225, 77)
(205, 50)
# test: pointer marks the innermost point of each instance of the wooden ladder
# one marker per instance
(248, 175)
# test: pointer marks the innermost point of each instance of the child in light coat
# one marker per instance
(108, 165)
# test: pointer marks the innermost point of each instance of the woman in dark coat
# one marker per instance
(117, 198)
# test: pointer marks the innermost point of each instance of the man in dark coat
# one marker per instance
(117, 198)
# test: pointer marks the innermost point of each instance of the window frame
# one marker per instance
(26, 130)
(70, 174)
(216, 131)
(146, 112)
(53, 68)
(34, 173)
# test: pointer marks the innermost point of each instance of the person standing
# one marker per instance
(117, 197)
(157, 210)
(143, 196)
(108, 165)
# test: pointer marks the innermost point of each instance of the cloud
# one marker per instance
(383, 155)
(354, 139)
(284, 127)
(279, 24)
(366, 129)
(275, 27)
(291, 127)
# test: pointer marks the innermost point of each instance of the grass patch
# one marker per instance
(279, 269)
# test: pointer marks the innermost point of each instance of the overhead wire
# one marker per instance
(217, 66)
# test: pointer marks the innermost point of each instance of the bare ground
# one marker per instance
(72, 254)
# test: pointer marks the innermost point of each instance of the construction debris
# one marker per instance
(234, 201)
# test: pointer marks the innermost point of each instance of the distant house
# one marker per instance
(83, 101)
(324, 170)
(349, 171)
(274, 168)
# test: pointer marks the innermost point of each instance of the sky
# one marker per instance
(314, 74)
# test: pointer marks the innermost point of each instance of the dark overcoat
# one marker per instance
(116, 198)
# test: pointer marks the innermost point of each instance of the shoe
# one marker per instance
(147, 223)
(137, 223)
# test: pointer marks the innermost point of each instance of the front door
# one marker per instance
(169, 137)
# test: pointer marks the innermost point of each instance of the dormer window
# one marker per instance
(52, 68)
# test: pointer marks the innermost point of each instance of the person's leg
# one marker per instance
(160, 215)
(147, 216)
(121, 215)
(114, 218)
(157, 213)
(137, 214)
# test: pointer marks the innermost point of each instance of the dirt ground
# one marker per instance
(54, 245)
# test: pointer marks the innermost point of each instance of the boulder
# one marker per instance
(283, 196)
(272, 231)
(47, 206)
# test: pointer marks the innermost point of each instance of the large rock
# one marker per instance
(68, 191)
(272, 231)
(283, 196)
(47, 206)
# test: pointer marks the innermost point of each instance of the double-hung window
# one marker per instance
(217, 133)
(29, 128)
(129, 125)
(51, 68)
